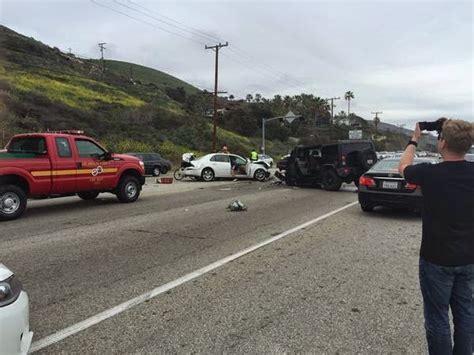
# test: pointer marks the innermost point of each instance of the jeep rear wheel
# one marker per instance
(331, 181)
(88, 195)
(13, 201)
(128, 189)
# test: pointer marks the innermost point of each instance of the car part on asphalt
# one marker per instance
(237, 206)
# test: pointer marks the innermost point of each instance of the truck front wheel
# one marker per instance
(12, 202)
(128, 189)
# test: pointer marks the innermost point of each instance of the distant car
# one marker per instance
(283, 163)
(155, 164)
(221, 165)
(266, 158)
(470, 154)
(15, 334)
(382, 185)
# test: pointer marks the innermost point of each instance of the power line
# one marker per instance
(189, 39)
(155, 18)
(145, 22)
(193, 30)
(280, 75)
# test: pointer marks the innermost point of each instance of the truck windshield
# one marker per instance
(30, 145)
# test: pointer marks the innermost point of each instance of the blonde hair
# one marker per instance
(459, 135)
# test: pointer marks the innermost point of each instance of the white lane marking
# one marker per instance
(89, 322)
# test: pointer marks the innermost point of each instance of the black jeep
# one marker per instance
(329, 165)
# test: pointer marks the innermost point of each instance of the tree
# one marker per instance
(231, 97)
(349, 95)
(258, 97)
(249, 98)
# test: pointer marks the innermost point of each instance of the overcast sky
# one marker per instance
(411, 60)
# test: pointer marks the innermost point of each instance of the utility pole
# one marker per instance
(332, 106)
(376, 113)
(102, 48)
(216, 49)
(376, 119)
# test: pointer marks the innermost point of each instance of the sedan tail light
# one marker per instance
(367, 181)
(409, 186)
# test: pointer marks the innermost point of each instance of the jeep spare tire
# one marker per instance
(331, 181)
(368, 158)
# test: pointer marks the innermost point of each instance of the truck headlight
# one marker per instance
(10, 290)
(142, 164)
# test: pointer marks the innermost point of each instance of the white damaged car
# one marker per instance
(221, 165)
(15, 335)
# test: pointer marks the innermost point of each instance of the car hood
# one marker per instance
(5, 272)
(259, 163)
(125, 157)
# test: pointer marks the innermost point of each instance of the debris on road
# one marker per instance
(164, 180)
(237, 206)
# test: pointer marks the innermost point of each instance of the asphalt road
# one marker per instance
(347, 284)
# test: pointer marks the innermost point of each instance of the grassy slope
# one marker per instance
(74, 91)
(149, 75)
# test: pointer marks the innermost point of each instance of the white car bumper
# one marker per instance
(192, 172)
(15, 335)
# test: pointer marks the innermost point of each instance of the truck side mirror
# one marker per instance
(107, 156)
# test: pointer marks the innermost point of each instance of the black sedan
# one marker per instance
(155, 164)
(382, 185)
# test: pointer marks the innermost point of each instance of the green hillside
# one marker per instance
(148, 75)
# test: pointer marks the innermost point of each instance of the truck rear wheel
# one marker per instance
(13, 201)
(88, 195)
(128, 189)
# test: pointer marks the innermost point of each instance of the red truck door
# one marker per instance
(93, 173)
(64, 169)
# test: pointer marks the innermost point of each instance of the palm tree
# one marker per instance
(349, 95)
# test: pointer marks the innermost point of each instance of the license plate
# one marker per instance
(390, 185)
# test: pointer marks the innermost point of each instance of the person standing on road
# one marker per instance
(253, 155)
(446, 267)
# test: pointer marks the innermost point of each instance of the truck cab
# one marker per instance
(55, 164)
